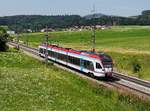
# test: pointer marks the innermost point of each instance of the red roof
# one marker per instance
(73, 51)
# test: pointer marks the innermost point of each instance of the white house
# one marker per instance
(11, 32)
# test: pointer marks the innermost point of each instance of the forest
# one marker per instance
(20, 23)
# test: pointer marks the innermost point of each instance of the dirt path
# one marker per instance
(129, 51)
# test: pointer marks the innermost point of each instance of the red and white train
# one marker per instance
(97, 64)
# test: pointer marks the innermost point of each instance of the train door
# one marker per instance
(81, 64)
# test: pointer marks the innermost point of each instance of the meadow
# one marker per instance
(28, 85)
(114, 39)
(128, 45)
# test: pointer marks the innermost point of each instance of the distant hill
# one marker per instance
(134, 17)
(96, 15)
(22, 23)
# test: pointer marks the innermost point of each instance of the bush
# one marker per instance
(136, 65)
(3, 39)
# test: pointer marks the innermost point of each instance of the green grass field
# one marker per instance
(123, 43)
(115, 39)
(27, 85)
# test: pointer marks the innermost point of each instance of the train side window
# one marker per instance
(41, 50)
(56, 55)
(62, 57)
(91, 67)
(88, 65)
(73, 60)
(49, 53)
(98, 66)
(44, 51)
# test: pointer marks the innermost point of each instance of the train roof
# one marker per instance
(99, 55)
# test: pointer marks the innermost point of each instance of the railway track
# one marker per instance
(132, 79)
(119, 81)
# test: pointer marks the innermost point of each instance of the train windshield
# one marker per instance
(106, 60)
(98, 66)
(108, 65)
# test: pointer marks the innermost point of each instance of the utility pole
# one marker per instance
(27, 40)
(17, 38)
(46, 43)
(93, 30)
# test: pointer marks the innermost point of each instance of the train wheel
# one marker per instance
(91, 75)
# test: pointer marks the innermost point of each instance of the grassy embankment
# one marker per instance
(26, 84)
(128, 46)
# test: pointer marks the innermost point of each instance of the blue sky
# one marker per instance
(81, 7)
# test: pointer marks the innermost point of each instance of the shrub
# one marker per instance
(3, 39)
(136, 65)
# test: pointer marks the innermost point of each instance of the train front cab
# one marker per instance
(108, 70)
(103, 70)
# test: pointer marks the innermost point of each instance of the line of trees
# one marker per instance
(36, 22)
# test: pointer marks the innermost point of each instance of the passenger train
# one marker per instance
(96, 64)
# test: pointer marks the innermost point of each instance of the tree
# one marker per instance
(3, 39)
(146, 12)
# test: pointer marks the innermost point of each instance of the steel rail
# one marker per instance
(132, 79)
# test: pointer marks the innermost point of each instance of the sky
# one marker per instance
(69, 7)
